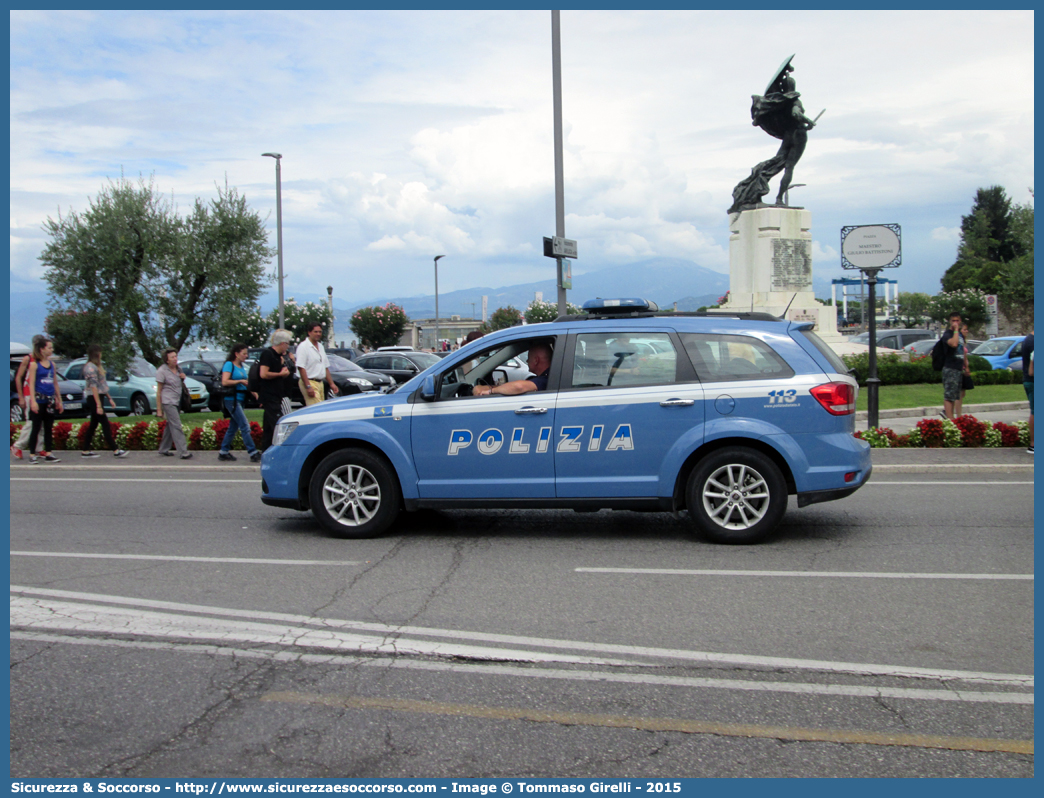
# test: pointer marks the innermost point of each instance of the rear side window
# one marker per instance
(618, 359)
(831, 356)
(726, 358)
(75, 372)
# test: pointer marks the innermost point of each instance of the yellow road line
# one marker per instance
(656, 724)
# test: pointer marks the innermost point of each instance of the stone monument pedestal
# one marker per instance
(770, 267)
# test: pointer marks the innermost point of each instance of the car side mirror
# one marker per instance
(499, 377)
(427, 389)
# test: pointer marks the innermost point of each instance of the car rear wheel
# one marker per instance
(736, 495)
(354, 494)
(139, 405)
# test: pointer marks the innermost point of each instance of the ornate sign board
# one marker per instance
(871, 246)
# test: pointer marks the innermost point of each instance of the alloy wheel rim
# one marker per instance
(351, 495)
(736, 496)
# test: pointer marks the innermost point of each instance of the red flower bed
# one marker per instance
(1009, 433)
(60, 434)
(973, 431)
(135, 436)
(931, 432)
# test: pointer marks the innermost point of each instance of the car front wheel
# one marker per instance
(16, 412)
(354, 494)
(736, 495)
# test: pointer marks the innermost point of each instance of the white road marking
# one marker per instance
(658, 654)
(802, 688)
(173, 558)
(66, 616)
(823, 574)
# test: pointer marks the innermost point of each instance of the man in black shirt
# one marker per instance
(274, 373)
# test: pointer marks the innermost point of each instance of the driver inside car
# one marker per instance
(539, 362)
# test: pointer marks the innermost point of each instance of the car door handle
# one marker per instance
(677, 402)
(530, 411)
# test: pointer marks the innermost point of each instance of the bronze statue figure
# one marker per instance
(780, 114)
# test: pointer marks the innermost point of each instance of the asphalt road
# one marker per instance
(166, 623)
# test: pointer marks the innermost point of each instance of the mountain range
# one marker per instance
(663, 280)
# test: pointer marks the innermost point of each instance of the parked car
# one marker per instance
(73, 405)
(403, 365)
(342, 366)
(207, 372)
(1001, 352)
(726, 416)
(890, 338)
(134, 391)
(348, 353)
(923, 348)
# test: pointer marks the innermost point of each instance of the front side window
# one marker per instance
(495, 366)
(616, 359)
(726, 358)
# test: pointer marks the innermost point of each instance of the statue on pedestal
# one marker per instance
(780, 114)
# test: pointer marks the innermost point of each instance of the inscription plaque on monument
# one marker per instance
(791, 264)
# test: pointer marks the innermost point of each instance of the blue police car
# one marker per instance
(723, 415)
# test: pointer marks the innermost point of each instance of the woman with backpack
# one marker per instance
(45, 400)
(235, 381)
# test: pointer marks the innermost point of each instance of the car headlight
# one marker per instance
(364, 384)
(282, 432)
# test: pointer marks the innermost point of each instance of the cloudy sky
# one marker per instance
(412, 134)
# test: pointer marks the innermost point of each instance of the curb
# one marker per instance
(920, 412)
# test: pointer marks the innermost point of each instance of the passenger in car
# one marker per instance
(539, 362)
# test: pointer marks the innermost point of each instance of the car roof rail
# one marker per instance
(667, 314)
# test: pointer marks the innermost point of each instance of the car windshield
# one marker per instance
(998, 346)
(424, 359)
(338, 363)
(142, 368)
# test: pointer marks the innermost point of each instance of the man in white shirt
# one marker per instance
(314, 366)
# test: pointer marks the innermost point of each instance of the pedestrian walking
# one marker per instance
(45, 401)
(274, 374)
(234, 380)
(95, 388)
(22, 389)
(314, 365)
(1027, 381)
(170, 381)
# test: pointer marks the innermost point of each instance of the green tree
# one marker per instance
(152, 278)
(988, 241)
(379, 325)
(249, 327)
(540, 311)
(296, 317)
(73, 331)
(1016, 277)
(912, 308)
(969, 302)
(505, 317)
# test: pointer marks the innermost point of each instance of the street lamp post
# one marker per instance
(438, 347)
(279, 227)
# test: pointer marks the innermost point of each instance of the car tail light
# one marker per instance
(837, 397)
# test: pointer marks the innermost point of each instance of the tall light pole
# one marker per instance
(556, 80)
(279, 227)
(438, 347)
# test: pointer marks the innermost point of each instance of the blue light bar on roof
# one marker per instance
(625, 305)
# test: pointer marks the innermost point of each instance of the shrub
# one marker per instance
(973, 431)
(1009, 434)
(60, 434)
(931, 430)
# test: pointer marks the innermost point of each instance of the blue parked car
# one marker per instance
(1001, 352)
(722, 415)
